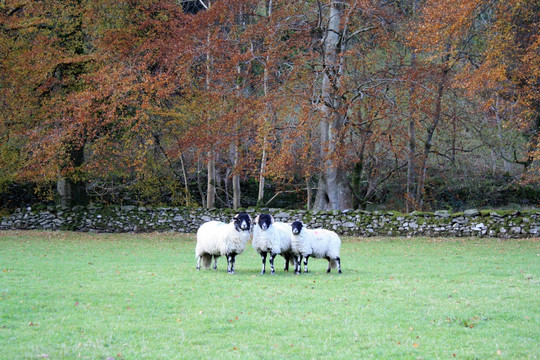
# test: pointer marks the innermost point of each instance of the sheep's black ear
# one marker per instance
(236, 216)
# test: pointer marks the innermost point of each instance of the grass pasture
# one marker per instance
(138, 296)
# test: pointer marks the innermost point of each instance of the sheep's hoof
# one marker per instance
(262, 272)
(230, 272)
(273, 273)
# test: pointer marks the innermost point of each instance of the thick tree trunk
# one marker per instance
(334, 191)
(72, 192)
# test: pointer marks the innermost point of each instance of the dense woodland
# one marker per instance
(395, 104)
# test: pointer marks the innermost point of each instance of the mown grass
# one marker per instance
(138, 296)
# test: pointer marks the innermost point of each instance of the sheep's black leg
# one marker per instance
(287, 259)
(305, 263)
(338, 262)
(298, 264)
(215, 262)
(263, 258)
(230, 263)
(272, 257)
(199, 263)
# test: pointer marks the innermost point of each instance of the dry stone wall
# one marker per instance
(506, 224)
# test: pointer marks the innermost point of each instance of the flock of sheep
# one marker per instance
(292, 241)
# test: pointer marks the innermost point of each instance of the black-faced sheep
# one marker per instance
(317, 243)
(274, 238)
(216, 238)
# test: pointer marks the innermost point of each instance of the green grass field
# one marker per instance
(138, 296)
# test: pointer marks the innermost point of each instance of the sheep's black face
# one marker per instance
(265, 220)
(242, 222)
(297, 227)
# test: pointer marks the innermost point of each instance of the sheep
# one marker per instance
(274, 238)
(216, 238)
(317, 243)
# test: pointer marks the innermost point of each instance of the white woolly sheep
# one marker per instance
(317, 243)
(216, 238)
(274, 238)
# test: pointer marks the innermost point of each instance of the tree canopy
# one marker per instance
(343, 103)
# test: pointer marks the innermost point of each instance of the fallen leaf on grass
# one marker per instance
(415, 345)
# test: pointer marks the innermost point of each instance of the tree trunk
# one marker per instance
(309, 193)
(186, 187)
(199, 183)
(260, 194)
(429, 138)
(334, 192)
(236, 180)
(211, 185)
(506, 163)
(411, 159)
(71, 191)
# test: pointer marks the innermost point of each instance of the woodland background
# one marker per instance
(371, 104)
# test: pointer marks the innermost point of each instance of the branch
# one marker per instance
(359, 31)
(158, 143)
(203, 4)
(278, 193)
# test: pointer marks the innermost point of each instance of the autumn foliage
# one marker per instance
(331, 100)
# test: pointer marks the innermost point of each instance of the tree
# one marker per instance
(444, 36)
(507, 78)
(47, 54)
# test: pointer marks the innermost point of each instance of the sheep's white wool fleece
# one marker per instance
(318, 243)
(219, 238)
(276, 238)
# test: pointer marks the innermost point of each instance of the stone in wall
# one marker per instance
(97, 218)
